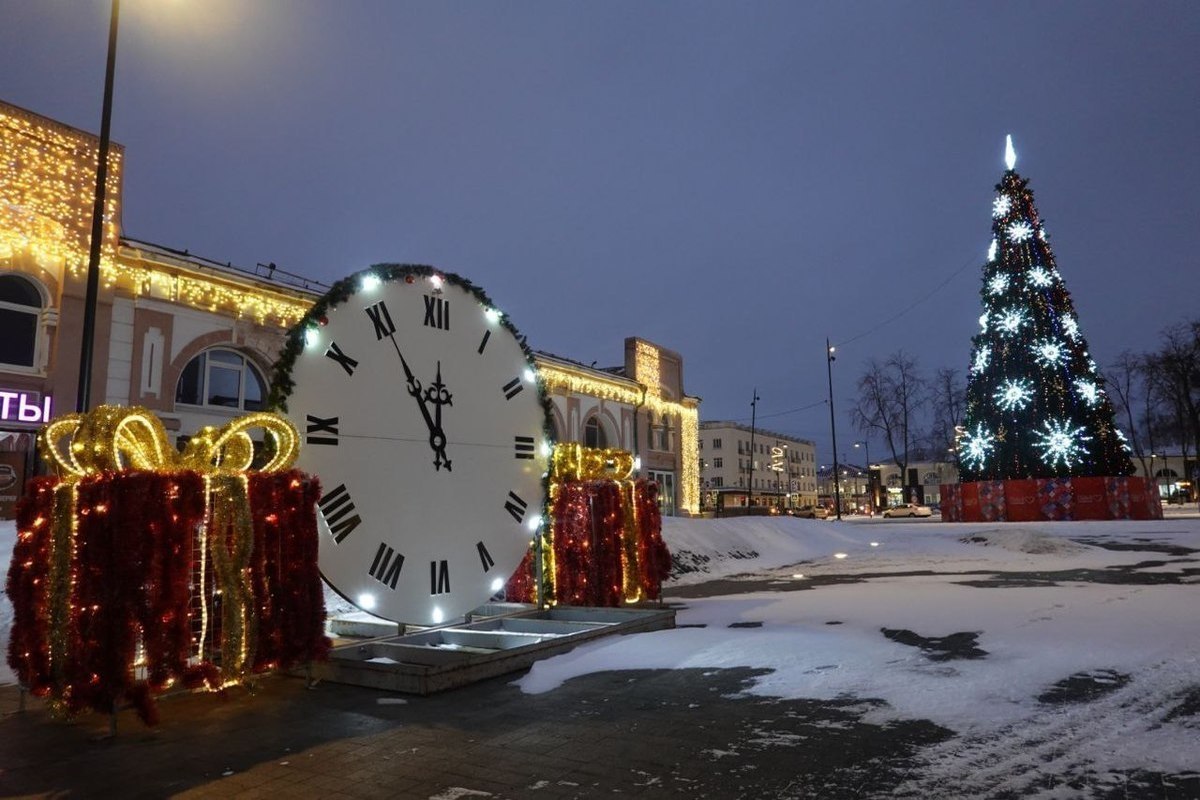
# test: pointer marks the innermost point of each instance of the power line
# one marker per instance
(911, 306)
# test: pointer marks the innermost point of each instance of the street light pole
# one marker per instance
(866, 445)
(83, 398)
(750, 487)
(837, 492)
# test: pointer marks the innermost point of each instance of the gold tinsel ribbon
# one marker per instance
(114, 438)
(572, 461)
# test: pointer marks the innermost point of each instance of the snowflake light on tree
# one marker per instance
(998, 283)
(1070, 327)
(976, 446)
(1014, 394)
(1124, 442)
(1061, 443)
(1011, 320)
(1020, 231)
(982, 356)
(1040, 277)
(992, 250)
(1001, 205)
(983, 322)
(1088, 390)
(1046, 352)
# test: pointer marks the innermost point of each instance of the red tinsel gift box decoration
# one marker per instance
(132, 608)
(596, 559)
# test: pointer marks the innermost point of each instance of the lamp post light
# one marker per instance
(837, 492)
(83, 398)
(750, 487)
(866, 445)
(781, 451)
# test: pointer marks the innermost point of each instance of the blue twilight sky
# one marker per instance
(736, 181)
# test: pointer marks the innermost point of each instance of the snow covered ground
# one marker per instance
(1048, 649)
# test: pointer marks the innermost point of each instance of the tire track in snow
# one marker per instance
(1055, 745)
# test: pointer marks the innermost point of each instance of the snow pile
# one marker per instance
(704, 549)
(1025, 540)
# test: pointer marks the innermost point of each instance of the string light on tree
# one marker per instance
(1014, 394)
(1062, 444)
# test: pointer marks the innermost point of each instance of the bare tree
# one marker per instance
(948, 399)
(891, 396)
(1134, 398)
(1174, 371)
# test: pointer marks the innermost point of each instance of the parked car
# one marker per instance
(812, 512)
(909, 510)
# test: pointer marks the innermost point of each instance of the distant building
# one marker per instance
(784, 468)
(884, 484)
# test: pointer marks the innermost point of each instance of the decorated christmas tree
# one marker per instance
(1036, 406)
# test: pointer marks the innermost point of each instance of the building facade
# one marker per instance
(193, 340)
(867, 490)
(640, 407)
(772, 470)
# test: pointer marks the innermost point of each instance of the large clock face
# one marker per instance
(422, 417)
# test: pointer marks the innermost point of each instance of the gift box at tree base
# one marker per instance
(603, 546)
(140, 569)
(1050, 499)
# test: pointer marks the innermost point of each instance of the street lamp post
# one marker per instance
(837, 492)
(750, 487)
(83, 398)
(779, 472)
(866, 445)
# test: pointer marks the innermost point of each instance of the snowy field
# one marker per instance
(1061, 649)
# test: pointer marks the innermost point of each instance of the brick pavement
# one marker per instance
(659, 733)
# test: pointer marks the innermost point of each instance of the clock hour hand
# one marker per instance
(439, 396)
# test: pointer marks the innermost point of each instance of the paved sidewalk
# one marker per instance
(644, 733)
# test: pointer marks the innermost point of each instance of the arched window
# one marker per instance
(20, 307)
(221, 378)
(593, 433)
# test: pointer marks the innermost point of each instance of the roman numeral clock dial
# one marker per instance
(425, 423)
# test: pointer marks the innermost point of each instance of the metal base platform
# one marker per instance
(447, 657)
